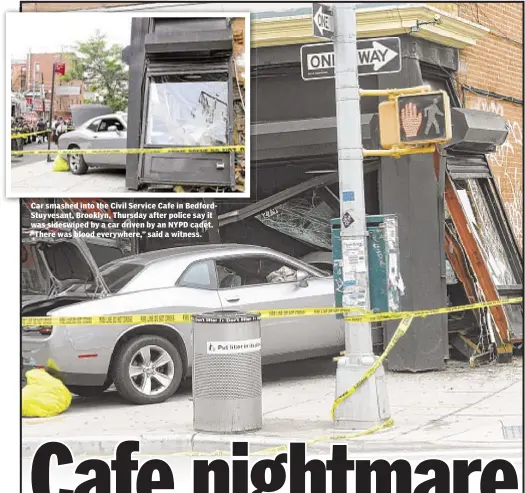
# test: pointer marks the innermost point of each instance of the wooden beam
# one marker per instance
(476, 260)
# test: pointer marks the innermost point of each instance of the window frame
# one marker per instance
(213, 275)
(110, 119)
(160, 70)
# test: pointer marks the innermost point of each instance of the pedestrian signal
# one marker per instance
(415, 119)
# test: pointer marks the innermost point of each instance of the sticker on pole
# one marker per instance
(234, 347)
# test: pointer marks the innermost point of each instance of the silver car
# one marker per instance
(147, 362)
(101, 132)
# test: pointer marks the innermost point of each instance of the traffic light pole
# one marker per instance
(368, 407)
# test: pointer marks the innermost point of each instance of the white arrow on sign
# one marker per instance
(324, 22)
(377, 56)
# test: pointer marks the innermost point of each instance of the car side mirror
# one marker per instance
(302, 278)
(113, 128)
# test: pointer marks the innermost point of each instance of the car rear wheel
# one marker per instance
(147, 370)
(77, 165)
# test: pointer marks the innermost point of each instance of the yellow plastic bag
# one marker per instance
(44, 396)
(60, 164)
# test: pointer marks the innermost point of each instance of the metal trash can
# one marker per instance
(226, 371)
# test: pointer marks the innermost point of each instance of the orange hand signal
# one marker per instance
(411, 120)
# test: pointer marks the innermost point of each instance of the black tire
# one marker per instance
(78, 166)
(123, 381)
(88, 391)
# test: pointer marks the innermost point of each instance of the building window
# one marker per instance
(188, 110)
(37, 68)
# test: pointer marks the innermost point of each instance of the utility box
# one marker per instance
(180, 96)
(227, 372)
(386, 284)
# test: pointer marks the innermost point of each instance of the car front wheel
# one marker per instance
(147, 370)
(77, 165)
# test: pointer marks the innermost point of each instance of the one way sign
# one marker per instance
(374, 56)
(322, 21)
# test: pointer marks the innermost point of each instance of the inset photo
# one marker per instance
(125, 103)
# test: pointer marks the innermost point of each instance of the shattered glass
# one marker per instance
(306, 219)
(489, 239)
(188, 110)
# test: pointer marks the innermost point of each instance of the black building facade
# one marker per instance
(294, 183)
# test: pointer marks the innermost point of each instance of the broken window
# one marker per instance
(188, 110)
(489, 225)
(305, 218)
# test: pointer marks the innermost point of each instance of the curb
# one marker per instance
(211, 444)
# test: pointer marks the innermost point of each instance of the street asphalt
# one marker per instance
(457, 409)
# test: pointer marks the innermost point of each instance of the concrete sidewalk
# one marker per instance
(457, 408)
(33, 179)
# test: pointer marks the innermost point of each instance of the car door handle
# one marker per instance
(233, 299)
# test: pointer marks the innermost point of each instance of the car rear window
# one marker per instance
(118, 275)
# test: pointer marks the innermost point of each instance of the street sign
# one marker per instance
(424, 118)
(374, 56)
(322, 21)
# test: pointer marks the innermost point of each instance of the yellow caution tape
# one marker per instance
(23, 136)
(160, 150)
(406, 320)
(382, 317)
(133, 319)
(283, 448)
(400, 332)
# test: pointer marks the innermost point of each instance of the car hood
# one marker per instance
(67, 261)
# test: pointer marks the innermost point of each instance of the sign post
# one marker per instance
(374, 56)
(368, 407)
(58, 68)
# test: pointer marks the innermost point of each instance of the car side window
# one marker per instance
(94, 126)
(252, 271)
(104, 125)
(199, 275)
(110, 122)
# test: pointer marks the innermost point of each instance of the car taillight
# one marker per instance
(45, 330)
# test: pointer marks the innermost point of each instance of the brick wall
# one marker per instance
(496, 64)
(44, 61)
(18, 77)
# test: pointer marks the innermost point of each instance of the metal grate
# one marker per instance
(514, 432)
(227, 377)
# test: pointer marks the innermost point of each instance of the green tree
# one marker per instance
(101, 68)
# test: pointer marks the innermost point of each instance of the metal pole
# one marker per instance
(51, 111)
(43, 95)
(369, 405)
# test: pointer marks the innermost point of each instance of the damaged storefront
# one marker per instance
(185, 88)
(455, 242)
